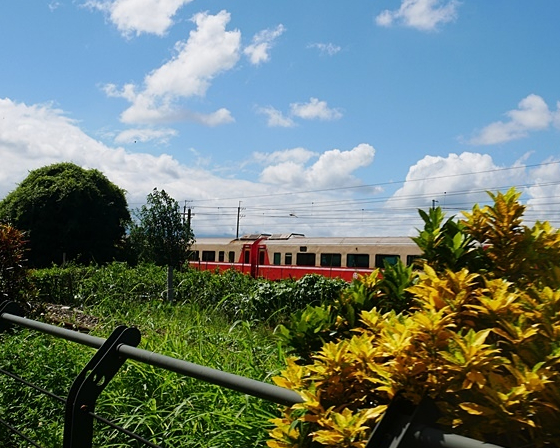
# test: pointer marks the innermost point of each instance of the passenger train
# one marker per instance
(293, 255)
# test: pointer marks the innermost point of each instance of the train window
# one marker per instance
(193, 255)
(277, 258)
(247, 256)
(305, 259)
(381, 259)
(208, 255)
(231, 256)
(288, 259)
(221, 256)
(261, 256)
(303, 248)
(331, 260)
(410, 259)
(357, 260)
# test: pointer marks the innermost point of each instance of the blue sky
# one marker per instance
(323, 118)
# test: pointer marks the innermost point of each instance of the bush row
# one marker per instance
(238, 295)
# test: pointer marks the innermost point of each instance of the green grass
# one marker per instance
(166, 408)
(221, 321)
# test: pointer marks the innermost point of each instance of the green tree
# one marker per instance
(161, 235)
(68, 213)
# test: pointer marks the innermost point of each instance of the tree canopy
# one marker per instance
(161, 235)
(68, 213)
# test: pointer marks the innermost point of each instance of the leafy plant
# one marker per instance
(13, 272)
(482, 338)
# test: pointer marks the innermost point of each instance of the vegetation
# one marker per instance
(224, 321)
(165, 408)
(161, 235)
(13, 272)
(68, 213)
(481, 339)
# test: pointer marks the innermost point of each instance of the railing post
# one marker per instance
(88, 385)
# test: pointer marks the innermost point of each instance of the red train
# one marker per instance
(294, 255)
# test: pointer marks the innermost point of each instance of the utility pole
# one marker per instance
(434, 202)
(238, 216)
(187, 213)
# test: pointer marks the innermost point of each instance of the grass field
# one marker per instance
(165, 408)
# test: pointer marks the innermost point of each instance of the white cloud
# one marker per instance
(145, 135)
(314, 109)
(424, 15)
(532, 114)
(297, 155)
(276, 118)
(332, 169)
(455, 181)
(209, 51)
(262, 42)
(544, 193)
(39, 135)
(329, 48)
(139, 16)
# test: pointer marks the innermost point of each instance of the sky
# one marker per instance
(318, 117)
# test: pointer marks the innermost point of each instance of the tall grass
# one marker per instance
(220, 321)
(167, 408)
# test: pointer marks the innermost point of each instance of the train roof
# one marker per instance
(300, 239)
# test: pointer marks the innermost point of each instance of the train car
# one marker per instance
(294, 255)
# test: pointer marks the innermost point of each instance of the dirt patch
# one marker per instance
(66, 316)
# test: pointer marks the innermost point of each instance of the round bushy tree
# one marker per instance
(68, 213)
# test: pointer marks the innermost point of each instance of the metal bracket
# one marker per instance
(88, 385)
(401, 420)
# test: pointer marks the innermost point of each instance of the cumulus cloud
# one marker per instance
(209, 51)
(455, 181)
(424, 15)
(258, 51)
(297, 155)
(312, 110)
(326, 48)
(145, 135)
(276, 118)
(333, 168)
(39, 135)
(139, 16)
(532, 114)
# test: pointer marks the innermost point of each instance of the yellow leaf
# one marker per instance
(476, 409)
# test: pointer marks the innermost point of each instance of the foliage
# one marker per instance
(166, 408)
(13, 272)
(161, 235)
(68, 213)
(308, 329)
(484, 344)
(237, 295)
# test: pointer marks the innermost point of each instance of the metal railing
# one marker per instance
(111, 354)
(403, 426)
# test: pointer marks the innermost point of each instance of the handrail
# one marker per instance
(231, 381)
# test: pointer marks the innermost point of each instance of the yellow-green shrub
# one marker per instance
(484, 344)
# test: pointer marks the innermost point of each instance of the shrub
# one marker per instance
(482, 341)
(13, 272)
